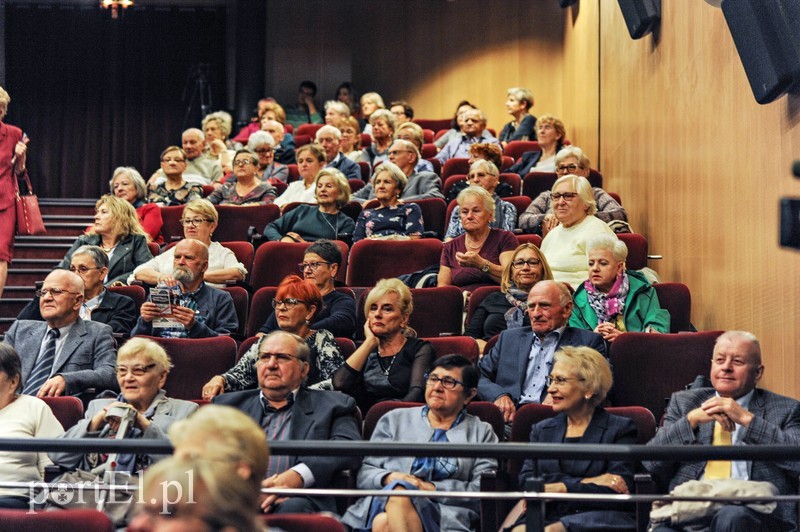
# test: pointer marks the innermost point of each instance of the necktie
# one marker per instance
(42, 369)
(719, 468)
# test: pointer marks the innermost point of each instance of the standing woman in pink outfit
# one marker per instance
(13, 149)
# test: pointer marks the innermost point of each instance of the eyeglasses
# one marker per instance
(397, 152)
(563, 168)
(289, 303)
(280, 358)
(242, 162)
(55, 292)
(559, 382)
(136, 371)
(194, 222)
(520, 263)
(172, 160)
(81, 270)
(448, 383)
(264, 151)
(479, 175)
(313, 265)
(568, 196)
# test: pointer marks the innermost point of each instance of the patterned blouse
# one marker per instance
(180, 196)
(403, 219)
(263, 194)
(325, 360)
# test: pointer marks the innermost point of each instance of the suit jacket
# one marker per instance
(87, 358)
(131, 251)
(503, 370)
(776, 421)
(168, 411)
(316, 415)
(525, 163)
(350, 169)
(117, 310)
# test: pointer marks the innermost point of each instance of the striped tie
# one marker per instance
(42, 370)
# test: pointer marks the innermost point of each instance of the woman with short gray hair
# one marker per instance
(263, 144)
(127, 183)
(390, 220)
(519, 104)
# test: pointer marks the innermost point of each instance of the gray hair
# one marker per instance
(491, 168)
(583, 188)
(133, 174)
(258, 139)
(225, 121)
(477, 192)
(742, 335)
(523, 95)
(609, 243)
(387, 117)
(195, 131)
(338, 107)
(96, 253)
(394, 172)
(573, 151)
(329, 129)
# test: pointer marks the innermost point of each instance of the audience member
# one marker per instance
(199, 220)
(734, 411)
(142, 369)
(255, 122)
(515, 371)
(23, 417)
(329, 138)
(193, 142)
(402, 111)
(565, 244)
(413, 133)
(296, 304)
(550, 135)
(307, 223)
(382, 131)
(175, 189)
(577, 386)
(310, 160)
(335, 113)
(100, 305)
(117, 231)
(338, 313)
(485, 174)
(216, 128)
(246, 188)
(455, 127)
(473, 131)
(508, 309)
(539, 218)
(288, 411)
(389, 365)
(198, 310)
(348, 95)
(64, 355)
(305, 112)
(420, 184)
(284, 147)
(476, 257)
(262, 144)
(450, 385)
(350, 143)
(523, 127)
(128, 184)
(614, 300)
(391, 219)
(370, 102)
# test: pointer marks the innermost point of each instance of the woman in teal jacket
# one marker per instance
(615, 300)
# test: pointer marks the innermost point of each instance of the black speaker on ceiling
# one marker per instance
(765, 33)
(567, 3)
(641, 16)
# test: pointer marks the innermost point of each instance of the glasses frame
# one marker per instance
(518, 264)
(567, 168)
(194, 222)
(567, 196)
(83, 270)
(559, 382)
(280, 358)
(55, 292)
(313, 265)
(288, 302)
(136, 371)
(432, 380)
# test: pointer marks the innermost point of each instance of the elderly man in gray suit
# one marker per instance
(64, 355)
(734, 412)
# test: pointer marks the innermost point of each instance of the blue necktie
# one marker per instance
(41, 372)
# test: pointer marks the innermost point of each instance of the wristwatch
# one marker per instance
(485, 267)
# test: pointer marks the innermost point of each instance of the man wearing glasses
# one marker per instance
(100, 305)
(473, 132)
(288, 411)
(538, 218)
(420, 185)
(515, 370)
(64, 354)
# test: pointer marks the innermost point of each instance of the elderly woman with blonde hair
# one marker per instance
(565, 245)
(217, 127)
(389, 365)
(392, 219)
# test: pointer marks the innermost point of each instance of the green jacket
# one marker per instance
(641, 308)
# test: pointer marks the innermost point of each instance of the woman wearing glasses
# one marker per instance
(142, 369)
(246, 188)
(388, 365)
(117, 231)
(175, 190)
(450, 385)
(270, 171)
(199, 221)
(578, 385)
(565, 245)
(508, 308)
(296, 303)
(390, 220)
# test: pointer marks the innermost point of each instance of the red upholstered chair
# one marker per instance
(637, 250)
(289, 128)
(507, 163)
(365, 140)
(241, 302)
(649, 367)
(428, 149)
(516, 148)
(519, 202)
(302, 522)
(135, 292)
(245, 253)
(245, 346)
(352, 209)
(449, 345)
(172, 227)
(437, 165)
(195, 361)
(676, 298)
(275, 260)
(235, 222)
(280, 187)
(308, 129)
(536, 240)
(435, 125)
(595, 178)
(61, 520)
(535, 183)
(356, 185)
(616, 197)
(487, 412)
(154, 248)
(260, 309)
(450, 182)
(476, 298)
(366, 171)
(437, 311)
(372, 260)
(68, 409)
(433, 215)
(513, 180)
(456, 165)
(294, 173)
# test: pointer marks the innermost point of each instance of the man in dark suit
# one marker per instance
(99, 304)
(288, 411)
(64, 355)
(514, 372)
(750, 416)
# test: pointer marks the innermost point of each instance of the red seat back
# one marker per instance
(677, 300)
(456, 165)
(275, 260)
(372, 260)
(61, 520)
(135, 292)
(459, 345)
(68, 409)
(516, 148)
(236, 220)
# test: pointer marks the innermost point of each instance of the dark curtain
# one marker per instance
(94, 93)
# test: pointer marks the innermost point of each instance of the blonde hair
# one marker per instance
(590, 367)
(386, 286)
(547, 272)
(203, 207)
(341, 182)
(582, 187)
(150, 349)
(126, 222)
(223, 119)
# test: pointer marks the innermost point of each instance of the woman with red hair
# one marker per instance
(296, 304)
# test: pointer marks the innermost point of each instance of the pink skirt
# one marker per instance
(8, 219)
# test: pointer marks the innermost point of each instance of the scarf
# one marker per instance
(519, 306)
(609, 307)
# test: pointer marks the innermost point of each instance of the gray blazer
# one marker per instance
(168, 411)
(420, 185)
(87, 359)
(776, 421)
(409, 425)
